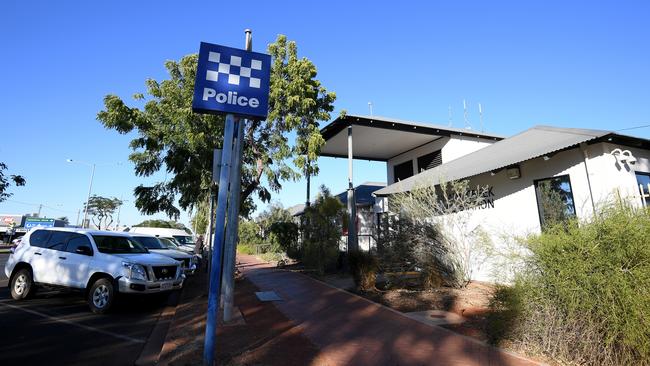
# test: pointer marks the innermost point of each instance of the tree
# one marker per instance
(325, 218)
(172, 137)
(168, 224)
(5, 182)
(64, 219)
(102, 210)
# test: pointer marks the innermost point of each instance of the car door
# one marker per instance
(74, 266)
(34, 255)
(52, 254)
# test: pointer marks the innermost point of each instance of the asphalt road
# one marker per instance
(57, 328)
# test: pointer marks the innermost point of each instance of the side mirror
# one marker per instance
(84, 250)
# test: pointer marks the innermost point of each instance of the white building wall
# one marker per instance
(515, 214)
(451, 147)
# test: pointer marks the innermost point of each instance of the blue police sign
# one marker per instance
(230, 80)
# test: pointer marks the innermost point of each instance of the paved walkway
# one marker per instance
(350, 330)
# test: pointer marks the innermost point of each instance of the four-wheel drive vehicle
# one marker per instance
(155, 245)
(184, 240)
(102, 263)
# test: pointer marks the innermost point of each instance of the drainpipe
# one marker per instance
(583, 148)
(353, 244)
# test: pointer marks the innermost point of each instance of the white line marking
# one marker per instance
(34, 312)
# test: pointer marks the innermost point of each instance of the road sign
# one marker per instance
(230, 80)
(34, 222)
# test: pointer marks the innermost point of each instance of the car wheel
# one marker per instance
(22, 284)
(101, 296)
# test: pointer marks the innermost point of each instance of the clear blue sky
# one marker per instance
(572, 64)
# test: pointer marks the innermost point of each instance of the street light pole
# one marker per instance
(90, 187)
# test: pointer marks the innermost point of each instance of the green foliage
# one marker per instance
(246, 249)
(64, 219)
(286, 233)
(5, 182)
(168, 224)
(585, 296)
(171, 137)
(323, 230)
(249, 233)
(102, 210)
(364, 266)
(201, 217)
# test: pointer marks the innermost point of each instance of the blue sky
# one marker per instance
(578, 64)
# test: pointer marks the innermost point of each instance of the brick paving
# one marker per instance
(350, 330)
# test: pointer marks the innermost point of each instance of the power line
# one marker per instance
(632, 128)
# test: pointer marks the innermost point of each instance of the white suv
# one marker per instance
(102, 263)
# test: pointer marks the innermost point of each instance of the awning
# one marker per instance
(380, 138)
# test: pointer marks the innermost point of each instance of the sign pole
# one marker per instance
(228, 281)
(217, 246)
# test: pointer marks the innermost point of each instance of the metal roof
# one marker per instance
(380, 138)
(362, 193)
(535, 142)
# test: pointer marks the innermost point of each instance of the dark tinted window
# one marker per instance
(149, 242)
(184, 239)
(429, 161)
(554, 200)
(58, 240)
(117, 244)
(39, 238)
(76, 241)
(403, 171)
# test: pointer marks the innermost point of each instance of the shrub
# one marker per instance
(585, 296)
(286, 233)
(249, 233)
(245, 249)
(323, 227)
(363, 266)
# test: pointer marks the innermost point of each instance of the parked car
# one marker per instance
(155, 245)
(185, 241)
(101, 263)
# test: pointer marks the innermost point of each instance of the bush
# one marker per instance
(246, 249)
(323, 227)
(585, 297)
(363, 266)
(285, 233)
(249, 233)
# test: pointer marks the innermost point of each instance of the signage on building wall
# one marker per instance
(7, 220)
(231, 80)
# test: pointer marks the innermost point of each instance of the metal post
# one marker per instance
(308, 173)
(228, 278)
(216, 174)
(228, 281)
(215, 270)
(90, 187)
(353, 244)
(78, 214)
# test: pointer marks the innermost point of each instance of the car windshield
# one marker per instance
(149, 242)
(168, 243)
(113, 244)
(184, 240)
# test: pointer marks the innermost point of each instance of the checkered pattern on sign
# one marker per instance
(234, 70)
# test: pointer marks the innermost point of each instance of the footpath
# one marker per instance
(351, 330)
(314, 324)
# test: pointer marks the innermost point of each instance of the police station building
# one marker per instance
(586, 167)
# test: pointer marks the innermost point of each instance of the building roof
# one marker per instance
(362, 193)
(532, 143)
(297, 210)
(380, 138)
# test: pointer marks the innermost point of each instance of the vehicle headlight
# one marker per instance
(135, 271)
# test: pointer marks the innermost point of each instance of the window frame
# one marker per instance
(646, 174)
(47, 232)
(410, 162)
(437, 156)
(535, 184)
(79, 235)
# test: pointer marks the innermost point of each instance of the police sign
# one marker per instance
(230, 80)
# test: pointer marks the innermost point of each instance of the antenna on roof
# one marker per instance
(370, 107)
(480, 114)
(450, 119)
(467, 125)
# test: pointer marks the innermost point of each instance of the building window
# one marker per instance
(554, 200)
(403, 171)
(643, 179)
(428, 161)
